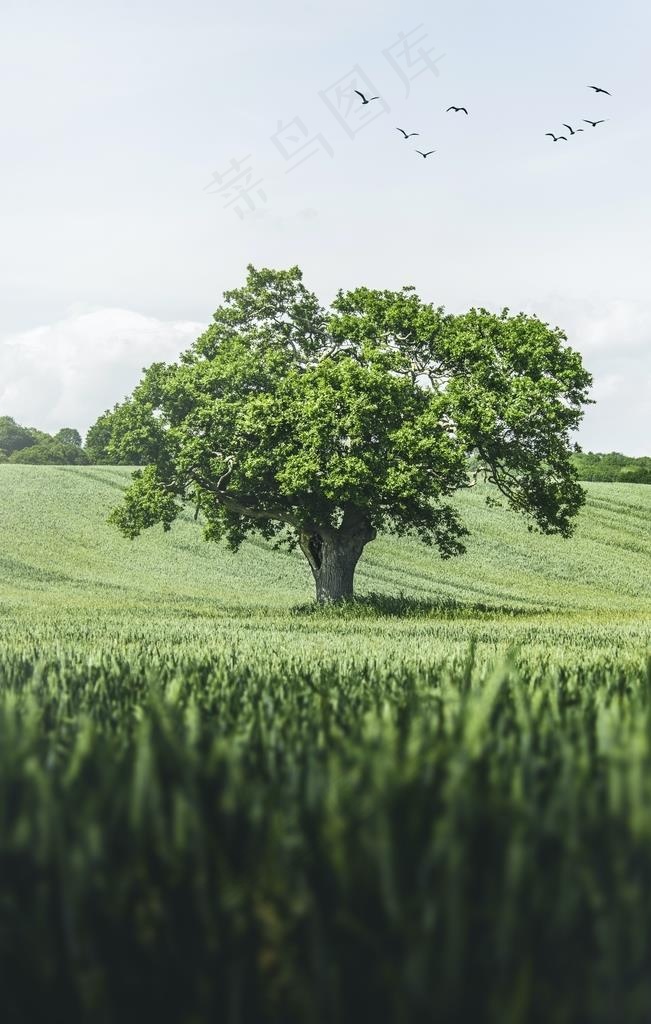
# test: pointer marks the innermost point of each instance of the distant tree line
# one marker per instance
(30, 446)
(27, 445)
(613, 467)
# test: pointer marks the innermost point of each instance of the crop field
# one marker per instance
(220, 803)
(70, 582)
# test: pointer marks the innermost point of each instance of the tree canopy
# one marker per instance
(13, 437)
(68, 435)
(320, 427)
(98, 445)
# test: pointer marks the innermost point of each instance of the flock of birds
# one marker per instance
(575, 131)
(458, 110)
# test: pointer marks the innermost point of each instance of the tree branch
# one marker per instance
(232, 503)
(499, 476)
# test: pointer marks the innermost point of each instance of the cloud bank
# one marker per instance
(67, 373)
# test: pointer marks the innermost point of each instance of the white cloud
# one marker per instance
(67, 373)
(607, 386)
(614, 338)
(615, 328)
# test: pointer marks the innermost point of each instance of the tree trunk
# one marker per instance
(333, 556)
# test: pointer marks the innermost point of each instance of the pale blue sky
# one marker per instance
(114, 118)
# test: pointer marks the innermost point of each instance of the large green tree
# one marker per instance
(320, 428)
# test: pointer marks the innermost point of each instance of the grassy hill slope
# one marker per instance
(64, 573)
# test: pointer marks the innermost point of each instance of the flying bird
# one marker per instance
(407, 135)
(595, 123)
(571, 130)
(556, 138)
(364, 100)
(456, 110)
(425, 155)
(597, 89)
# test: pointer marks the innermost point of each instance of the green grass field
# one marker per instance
(218, 802)
(67, 578)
